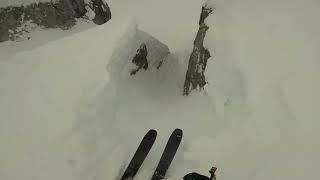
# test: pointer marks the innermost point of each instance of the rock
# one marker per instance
(77, 7)
(198, 59)
(102, 12)
(4, 33)
(140, 59)
(61, 14)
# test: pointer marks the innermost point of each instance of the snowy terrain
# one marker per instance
(70, 110)
(39, 37)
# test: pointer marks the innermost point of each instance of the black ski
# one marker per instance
(168, 154)
(140, 155)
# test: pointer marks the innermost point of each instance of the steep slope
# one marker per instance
(42, 92)
(74, 112)
(258, 119)
(273, 45)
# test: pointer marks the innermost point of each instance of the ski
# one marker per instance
(140, 155)
(168, 154)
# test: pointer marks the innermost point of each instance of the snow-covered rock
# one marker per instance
(63, 14)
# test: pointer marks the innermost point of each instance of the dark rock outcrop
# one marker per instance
(61, 14)
(77, 7)
(4, 33)
(140, 59)
(102, 12)
(198, 59)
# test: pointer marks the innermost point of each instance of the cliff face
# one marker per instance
(61, 14)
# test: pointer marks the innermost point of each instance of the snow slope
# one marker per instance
(39, 37)
(41, 91)
(72, 111)
(274, 45)
(266, 57)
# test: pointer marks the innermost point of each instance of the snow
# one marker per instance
(169, 21)
(38, 37)
(70, 110)
(270, 43)
(41, 91)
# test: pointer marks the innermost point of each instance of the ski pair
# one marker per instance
(143, 150)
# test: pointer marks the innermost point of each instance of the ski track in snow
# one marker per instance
(70, 110)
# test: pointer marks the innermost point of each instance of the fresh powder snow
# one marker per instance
(70, 110)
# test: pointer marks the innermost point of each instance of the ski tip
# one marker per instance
(152, 131)
(178, 131)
